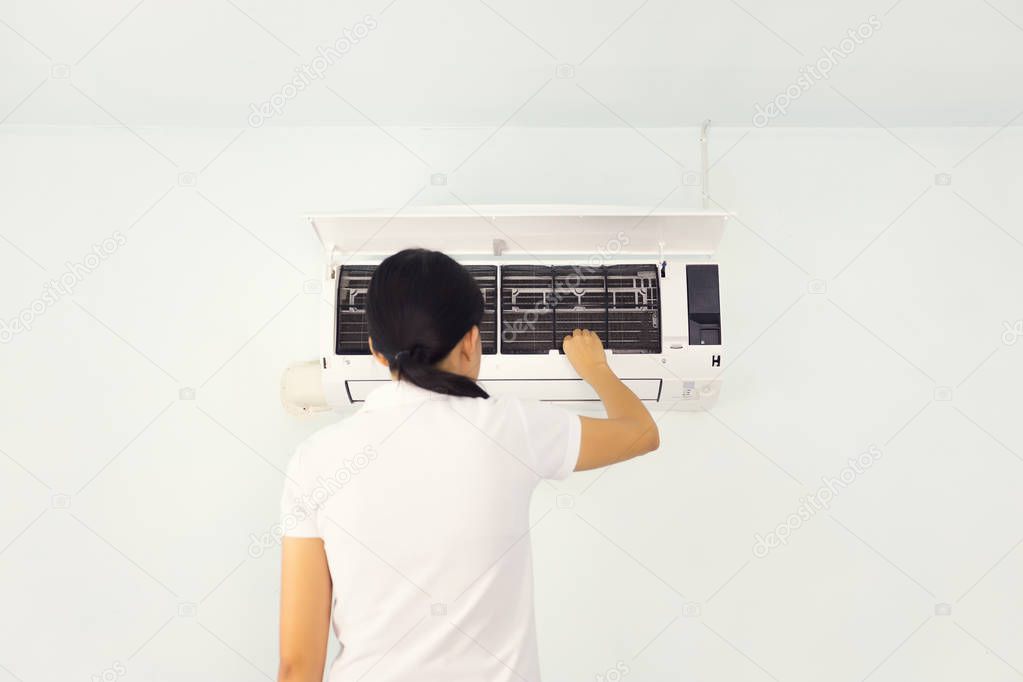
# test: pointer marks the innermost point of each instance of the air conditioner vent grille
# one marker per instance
(527, 313)
(634, 308)
(353, 329)
(540, 305)
(486, 278)
(580, 301)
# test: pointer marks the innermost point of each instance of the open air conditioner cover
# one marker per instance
(529, 230)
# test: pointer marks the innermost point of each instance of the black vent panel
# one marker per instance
(352, 336)
(633, 309)
(486, 278)
(540, 305)
(352, 328)
(527, 309)
(581, 301)
(704, 301)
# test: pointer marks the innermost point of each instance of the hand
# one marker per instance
(584, 350)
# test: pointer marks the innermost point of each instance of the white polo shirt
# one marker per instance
(422, 502)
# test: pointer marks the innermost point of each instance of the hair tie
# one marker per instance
(399, 354)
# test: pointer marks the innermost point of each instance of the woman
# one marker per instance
(410, 519)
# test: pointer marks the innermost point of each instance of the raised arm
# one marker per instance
(629, 429)
(305, 610)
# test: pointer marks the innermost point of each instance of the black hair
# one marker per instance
(420, 304)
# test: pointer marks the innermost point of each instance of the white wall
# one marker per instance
(206, 292)
(465, 62)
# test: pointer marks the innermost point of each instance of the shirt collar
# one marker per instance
(397, 392)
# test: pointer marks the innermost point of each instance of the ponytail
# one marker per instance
(411, 368)
(420, 304)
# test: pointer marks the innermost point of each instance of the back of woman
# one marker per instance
(409, 520)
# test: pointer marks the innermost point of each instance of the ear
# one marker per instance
(379, 358)
(469, 343)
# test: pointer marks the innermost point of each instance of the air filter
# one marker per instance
(352, 326)
(541, 305)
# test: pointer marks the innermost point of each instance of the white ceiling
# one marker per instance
(476, 62)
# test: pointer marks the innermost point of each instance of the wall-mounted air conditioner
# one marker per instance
(644, 281)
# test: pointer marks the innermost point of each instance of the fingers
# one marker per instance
(578, 334)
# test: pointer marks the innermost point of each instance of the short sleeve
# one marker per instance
(298, 509)
(552, 437)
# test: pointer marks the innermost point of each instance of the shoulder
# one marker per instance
(546, 435)
(332, 439)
